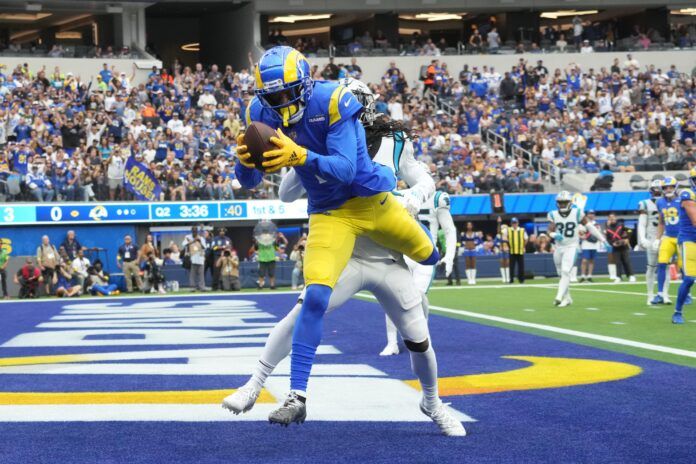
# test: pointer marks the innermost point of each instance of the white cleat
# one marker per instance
(241, 400)
(565, 302)
(632, 279)
(617, 280)
(449, 426)
(390, 350)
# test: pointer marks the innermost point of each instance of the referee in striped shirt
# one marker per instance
(517, 238)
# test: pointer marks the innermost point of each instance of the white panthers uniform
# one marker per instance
(435, 215)
(648, 222)
(372, 267)
(564, 256)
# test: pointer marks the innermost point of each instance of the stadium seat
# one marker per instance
(658, 177)
(638, 182)
(680, 176)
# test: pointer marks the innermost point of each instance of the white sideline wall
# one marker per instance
(85, 68)
(374, 67)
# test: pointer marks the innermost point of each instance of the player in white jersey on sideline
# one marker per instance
(564, 227)
(435, 214)
(648, 222)
(371, 267)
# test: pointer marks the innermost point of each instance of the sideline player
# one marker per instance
(373, 268)
(648, 222)
(687, 245)
(564, 224)
(667, 232)
(589, 248)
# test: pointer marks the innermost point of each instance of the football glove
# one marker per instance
(449, 265)
(288, 154)
(410, 201)
(558, 237)
(243, 154)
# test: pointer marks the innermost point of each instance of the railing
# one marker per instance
(547, 170)
(489, 137)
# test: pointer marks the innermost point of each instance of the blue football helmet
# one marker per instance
(284, 82)
(692, 178)
(669, 187)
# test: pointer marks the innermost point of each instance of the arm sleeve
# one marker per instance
(642, 223)
(447, 224)
(415, 174)
(339, 163)
(248, 177)
(290, 188)
(597, 234)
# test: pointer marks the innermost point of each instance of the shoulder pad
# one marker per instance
(341, 103)
(687, 195)
(442, 200)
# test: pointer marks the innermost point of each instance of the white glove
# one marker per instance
(409, 201)
(646, 245)
(449, 265)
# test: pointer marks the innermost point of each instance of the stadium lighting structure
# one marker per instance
(685, 11)
(566, 13)
(433, 17)
(33, 6)
(191, 47)
(292, 19)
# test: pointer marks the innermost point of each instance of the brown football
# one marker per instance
(257, 139)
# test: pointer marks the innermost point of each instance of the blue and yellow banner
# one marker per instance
(141, 182)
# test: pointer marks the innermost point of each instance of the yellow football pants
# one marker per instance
(668, 248)
(688, 256)
(381, 217)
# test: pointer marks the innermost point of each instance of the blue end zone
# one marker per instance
(643, 418)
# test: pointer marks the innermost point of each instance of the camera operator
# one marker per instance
(221, 243)
(153, 277)
(228, 269)
(297, 255)
(194, 244)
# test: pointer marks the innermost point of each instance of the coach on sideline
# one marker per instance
(517, 238)
(127, 260)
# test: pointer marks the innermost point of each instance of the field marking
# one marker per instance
(540, 285)
(529, 310)
(639, 314)
(560, 330)
(597, 290)
(592, 309)
(618, 323)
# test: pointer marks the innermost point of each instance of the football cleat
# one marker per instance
(632, 279)
(617, 280)
(448, 425)
(658, 300)
(241, 400)
(556, 302)
(292, 410)
(565, 302)
(389, 350)
(677, 318)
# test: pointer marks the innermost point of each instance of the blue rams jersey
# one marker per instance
(329, 128)
(687, 230)
(669, 212)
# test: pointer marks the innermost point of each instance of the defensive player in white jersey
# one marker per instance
(564, 227)
(435, 214)
(372, 268)
(648, 222)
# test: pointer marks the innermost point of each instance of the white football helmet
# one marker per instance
(655, 188)
(365, 96)
(564, 201)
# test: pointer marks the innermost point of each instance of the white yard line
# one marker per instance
(560, 330)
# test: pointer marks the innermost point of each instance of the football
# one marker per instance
(257, 139)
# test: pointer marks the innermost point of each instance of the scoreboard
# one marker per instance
(144, 212)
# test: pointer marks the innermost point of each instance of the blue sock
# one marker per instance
(661, 277)
(684, 290)
(307, 335)
(432, 259)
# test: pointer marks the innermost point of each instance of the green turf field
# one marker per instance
(607, 315)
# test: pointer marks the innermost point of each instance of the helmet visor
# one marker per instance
(281, 98)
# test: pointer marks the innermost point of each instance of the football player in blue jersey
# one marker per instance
(667, 232)
(348, 194)
(687, 244)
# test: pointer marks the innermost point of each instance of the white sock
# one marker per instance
(665, 289)
(612, 271)
(277, 347)
(391, 331)
(563, 285)
(650, 281)
(473, 275)
(502, 274)
(506, 275)
(424, 366)
(574, 273)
